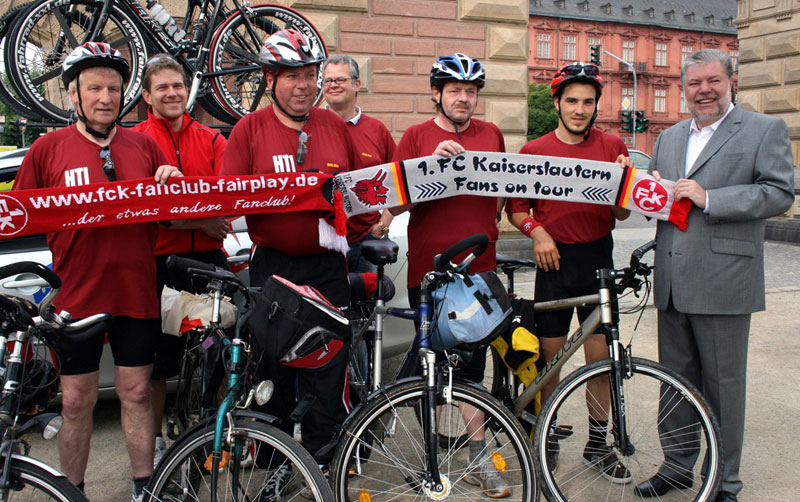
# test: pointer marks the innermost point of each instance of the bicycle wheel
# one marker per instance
(188, 409)
(30, 479)
(7, 93)
(41, 39)
(257, 460)
(380, 455)
(237, 80)
(651, 393)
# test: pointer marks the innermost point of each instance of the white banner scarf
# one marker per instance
(494, 174)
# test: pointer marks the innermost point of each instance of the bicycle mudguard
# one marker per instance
(239, 413)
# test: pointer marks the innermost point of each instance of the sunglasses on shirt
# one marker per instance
(302, 148)
(108, 163)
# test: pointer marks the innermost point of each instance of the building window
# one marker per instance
(628, 50)
(660, 101)
(686, 50)
(684, 109)
(734, 54)
(661, 54)
(543, 45)
(628, 140)
(569, 47)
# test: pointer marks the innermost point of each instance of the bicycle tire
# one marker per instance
(188, 408)
(8, 94)
(647, 387)
(182, 474)
(38, 44)
(240, 92)
(31, 480)
(380, 449)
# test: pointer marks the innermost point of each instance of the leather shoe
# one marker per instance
(726, 497)
(659, 485)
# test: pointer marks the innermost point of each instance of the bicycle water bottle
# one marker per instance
(163, 18)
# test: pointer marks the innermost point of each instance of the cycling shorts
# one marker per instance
(133, 344)
(577, 276)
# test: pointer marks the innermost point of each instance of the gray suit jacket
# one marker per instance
(717, 265)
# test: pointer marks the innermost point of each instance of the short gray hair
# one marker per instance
(706, 56)
(344, 59)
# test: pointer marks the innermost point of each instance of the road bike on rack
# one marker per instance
(29, 341)
(643, 394)
(219, 51)
(235, 454)
(407, 440)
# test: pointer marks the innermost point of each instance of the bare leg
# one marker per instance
(79, 395)
(133, 388)
(598, 392)
(550, 347)
(158, 396)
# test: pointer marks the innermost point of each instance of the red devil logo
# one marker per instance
(371, 192)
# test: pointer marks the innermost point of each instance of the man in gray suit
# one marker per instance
(736, 168)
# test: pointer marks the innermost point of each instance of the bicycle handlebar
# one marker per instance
(31, 267)
(479, 242)
(637, 254)
(199, 268)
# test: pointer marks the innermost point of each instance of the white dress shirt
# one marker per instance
(698, 139)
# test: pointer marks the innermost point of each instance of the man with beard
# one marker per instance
(736, 168)
(571, 241)
(435, 225)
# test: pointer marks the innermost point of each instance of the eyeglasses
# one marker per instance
(339, 81)
(108, 163)
(302, 149)
(576, 69)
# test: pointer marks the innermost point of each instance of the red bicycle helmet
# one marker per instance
(576, 72)
(93, 54)
(289, 49)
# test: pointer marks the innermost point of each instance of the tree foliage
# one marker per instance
(542, 115)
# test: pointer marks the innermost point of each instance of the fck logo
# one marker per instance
(13, 216)
(371, 192)
(650, 195)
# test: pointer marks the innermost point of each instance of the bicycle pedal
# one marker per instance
(561, 432)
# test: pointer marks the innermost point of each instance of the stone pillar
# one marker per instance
(769, 64)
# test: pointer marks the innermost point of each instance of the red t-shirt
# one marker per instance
(436, 225)
(572, 222)
(108, 269)
(375, 146)
(261, 144)
(197, 151)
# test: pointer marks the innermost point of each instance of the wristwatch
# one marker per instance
(384, 228)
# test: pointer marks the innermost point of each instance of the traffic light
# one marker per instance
(641, 122)
(596, 54)
(627, 121)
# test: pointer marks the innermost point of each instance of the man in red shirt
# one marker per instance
(108, 269)
(374, 144)
(571, 241)
(197, 151)
(288, 136)
(435, 225)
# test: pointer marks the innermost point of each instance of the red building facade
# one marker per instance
(655, 50)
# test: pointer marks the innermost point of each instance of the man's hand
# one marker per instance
(216, 228)
(624, 161)
(545, 250)
(448, 148)
(376, 230)
(690, 189)
(165, 172)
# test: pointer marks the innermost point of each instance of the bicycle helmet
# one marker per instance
(90, 55)
(573, 73)
(576, 72)
(93, 54)
(289, 49)
(457, 68)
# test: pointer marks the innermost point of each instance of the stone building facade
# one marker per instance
(653, 36)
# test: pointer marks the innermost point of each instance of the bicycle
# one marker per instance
(30, 380)
(220, 52)
(406, 439)
(642, 393)
(236, 453)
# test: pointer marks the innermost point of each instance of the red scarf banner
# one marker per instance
(26, 212)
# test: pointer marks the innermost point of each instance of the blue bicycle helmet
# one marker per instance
(457, 68)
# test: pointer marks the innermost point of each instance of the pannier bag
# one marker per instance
(471, 310)
(296, 325)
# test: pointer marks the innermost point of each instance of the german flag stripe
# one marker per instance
(625, 186)
(400, 182)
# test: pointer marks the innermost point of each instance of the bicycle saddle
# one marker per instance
(379, 252)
